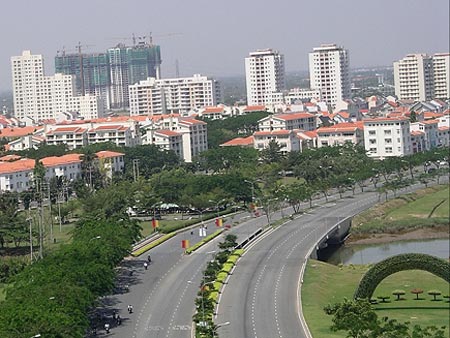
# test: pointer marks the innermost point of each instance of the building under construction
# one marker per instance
(109, 74)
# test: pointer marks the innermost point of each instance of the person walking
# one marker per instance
(107, 328)
(149, 259)
(145, 265)
(130, 308)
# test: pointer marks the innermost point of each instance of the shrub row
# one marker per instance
(387, 267)
(152, 244)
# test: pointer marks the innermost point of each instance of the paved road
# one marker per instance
(163, 296)
(261, 299)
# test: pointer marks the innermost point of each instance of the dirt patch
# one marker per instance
(411, 235)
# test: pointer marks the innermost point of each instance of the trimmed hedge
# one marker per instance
(227, 267)
(221, 277)
(152, 244)
(387, 267)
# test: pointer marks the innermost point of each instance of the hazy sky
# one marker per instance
(213, 37)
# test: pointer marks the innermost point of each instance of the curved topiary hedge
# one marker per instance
(387, 267)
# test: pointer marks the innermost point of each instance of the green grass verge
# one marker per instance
(152, 244)
(204, 241)
(325, 284)
(405, 213)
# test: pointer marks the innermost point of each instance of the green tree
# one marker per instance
(272, 153)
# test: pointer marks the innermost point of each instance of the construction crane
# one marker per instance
(142, 39)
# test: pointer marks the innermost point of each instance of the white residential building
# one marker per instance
(43, 97)
(329, 72)
(413, 77)
(430, 130)
(168, 140)
(265, 78)
(286, 139)
(195, 137)
(288, 121)
(178, 95)
(17, 175)
(72, 137)
(340, 134)
(385, 137)
(441, 76)
(296, 95)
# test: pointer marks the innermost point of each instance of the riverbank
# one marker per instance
(423, 214)
(417, 234)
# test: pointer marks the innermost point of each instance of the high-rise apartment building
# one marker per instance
(265, 77)
(441, 76)
(421, 77)
(179, 95)
(128, 66)
(109, 74)
(43, 97)
(91, 73)
(413, 77)
(329, 72)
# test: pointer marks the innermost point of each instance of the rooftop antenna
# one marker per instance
(134, 40)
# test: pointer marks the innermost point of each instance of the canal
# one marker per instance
(373, 253)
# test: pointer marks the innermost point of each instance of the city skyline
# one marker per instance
(214, 39)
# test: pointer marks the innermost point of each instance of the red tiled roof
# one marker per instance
(110, 127)
(25, 164)
(443, 128)
(10, 158)
(417, 133)
(341, 127)
(294, 116)
(108, 154)
(63, 130)
(167, 132)
(61, 160)
(239, 141)
(211, 110)
(188, 120)
(344, 114)
(310, 134)
(430, 122)
(255, 108)
(18, 132)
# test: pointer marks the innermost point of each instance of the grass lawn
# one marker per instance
(424, 205)
(405, 213)
(325, 283)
